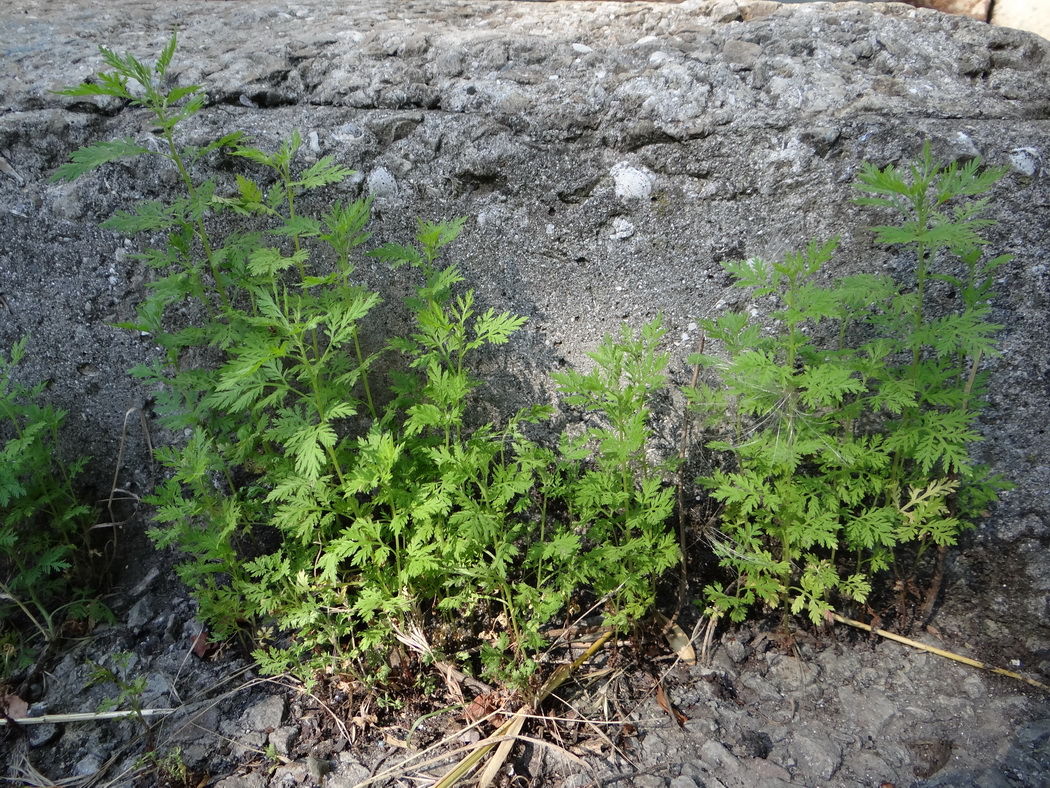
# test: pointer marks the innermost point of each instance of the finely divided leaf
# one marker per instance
(86, 159)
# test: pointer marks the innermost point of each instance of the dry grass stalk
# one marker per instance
(940, 652)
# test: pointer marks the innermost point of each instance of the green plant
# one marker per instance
(333, 506)
(169, 770)
(130, 690)
(264, 413)
(269, 752)
(854, 416)
(44, 528)
(621, 503)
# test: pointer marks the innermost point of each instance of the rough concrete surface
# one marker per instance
(608, 156)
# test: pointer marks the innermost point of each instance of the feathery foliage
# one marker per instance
(44, 577)
(331, 496)
(322, 516)
(849, 455)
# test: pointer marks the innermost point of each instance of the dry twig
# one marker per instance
(939, 652)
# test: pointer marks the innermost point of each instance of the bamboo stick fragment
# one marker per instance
(84, 716)
(940, 652)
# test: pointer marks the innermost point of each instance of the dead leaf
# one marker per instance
(201, 646)
(666, 705)
(479, 708)
(451, 676)
(398, 660)
(511, 730)
(591, 746)
(364, 721)
(679, 642)
(16, 707)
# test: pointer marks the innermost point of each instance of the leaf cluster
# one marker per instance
(334, 499)
(44, 572)
(331, 494)
(852, 421)
(619, 498)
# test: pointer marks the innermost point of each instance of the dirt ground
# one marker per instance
(834, 707)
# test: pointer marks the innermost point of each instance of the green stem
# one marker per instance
(364, 376)
(320, 405)
(923, 262)
(202, 233)
(289, 191)
(970, 380)
(47, 631)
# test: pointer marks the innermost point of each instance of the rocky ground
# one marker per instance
(834, 708)
(609, 156)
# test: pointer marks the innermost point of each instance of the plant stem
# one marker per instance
(202, 233)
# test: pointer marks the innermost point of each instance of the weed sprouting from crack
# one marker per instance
(323, 507)
(332, 508)
(855, 456)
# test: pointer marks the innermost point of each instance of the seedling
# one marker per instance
(130, 690)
